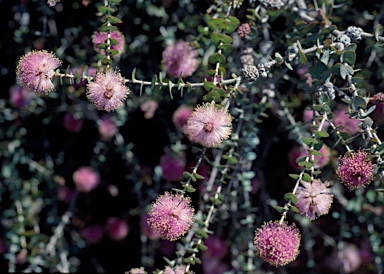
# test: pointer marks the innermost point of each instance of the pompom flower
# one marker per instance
(93, 234)
(277, 244)
(101, 37)
(108, 90)
(107, 127)
(19, 96)
(181, 116)
(180, 59)
(173, 166)
(116, 228)
(171, 216)
(314, 199)
(36, 70)
(137, 270)
(347, 124)
(208, 125)
(355, 169)
(72, 123)
(86, 179)
(180, 269)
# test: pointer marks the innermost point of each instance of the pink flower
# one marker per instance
(36, 70)
(208, 125)
(180, 269)
(116, 228)
(86, 179)
(149, 108)
(243, 30)
(277, 244)
(180, 59)
(71, 123)
(308, 115)
(108, 90)
(181, 116)
(93, 234)
(355, 169)
(173, 166)
(150, 233)
(314, 199)
(350, 258)
(19, 96)
(65, 194)
(107, 127)
(171, 216)
(101, 37)
(137, 270)
(341, 118)
(298, 151)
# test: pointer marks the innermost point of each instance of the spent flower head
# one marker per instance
(101, 37)
(36, 70)
(171, 216)
(173, 166)
(107, 91)
(355, 169)
(277, 244)
(180, 59)
(208, 125)
(314, 198)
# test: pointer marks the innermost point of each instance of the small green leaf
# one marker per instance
(308, 140)
(187, 175)
(104, 9)
(234, 20)
(189, 188)
(302, 58)
(279, 209)
(294, 209)
(212, 96)
(305, 164)
(358, 102)
(114, 20)
(198, 176)
(294, 176)
(209, 85)
(345, 70)
(306, 177)
(227, 48)
(315, 153)
(202, 247)
(290, 196)
(216, 38)
(321, 134)
(349, 57)
(112, 51)
(216, 58)
(113, 41)
(227, 27)
(107, 28)
(106, 61)
(378, 31)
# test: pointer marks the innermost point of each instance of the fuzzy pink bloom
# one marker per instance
(93, 234)
(299, 151)
(65, 194)
(137, 270)
(147, 230)
(350, 258)
(171, 216)
(116, 228)
(277, 244)
(355, 169)
(149, 108)
(107, 128)
(314, 199)
(86, 179)
(19, 96)
(101, 37)
(36, 70)
(108, 90)
(180, 269)
(181, 116)
(180, 58)
(208, 125)
(173, 166)
(308, 115)
(341, 118)
(71, 123)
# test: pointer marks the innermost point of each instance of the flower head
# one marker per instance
(19, 96)
(314, 199)
(101, 37)
(86, 179)
(208, 125)
(173, 166)
(149, 108)
(108, 91)
(181, 116)
(116, 228)
(137, 270)
(355, 169)
(36, 70)
(277, 244)
(341, 119)
(180, 269)
(180, 59)
(171, 216)
(72, 123)
(107, 127)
